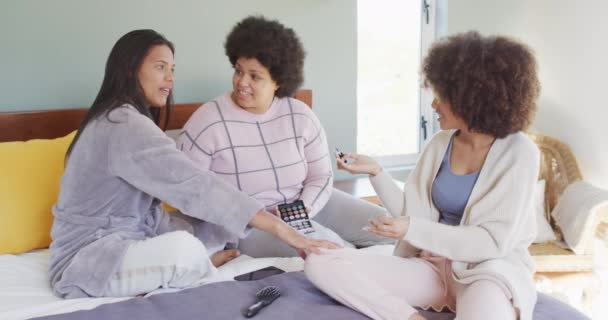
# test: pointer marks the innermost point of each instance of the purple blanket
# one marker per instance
(300, 300)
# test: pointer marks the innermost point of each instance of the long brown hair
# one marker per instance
(120, 86)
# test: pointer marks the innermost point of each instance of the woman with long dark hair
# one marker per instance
(111, 236)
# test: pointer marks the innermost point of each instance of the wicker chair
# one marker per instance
(559, 170)
(560, 271)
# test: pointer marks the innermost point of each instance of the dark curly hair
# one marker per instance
(276, 47)
(490, 82)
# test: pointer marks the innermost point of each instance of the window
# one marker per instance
(392, 37)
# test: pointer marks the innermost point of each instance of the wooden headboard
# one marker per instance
(48, 124)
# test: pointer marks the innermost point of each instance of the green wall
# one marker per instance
(53, 52)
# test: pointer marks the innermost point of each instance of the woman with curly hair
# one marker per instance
(465, 218)
(272, 146)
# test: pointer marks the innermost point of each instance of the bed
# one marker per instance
(24, 285)
(25, 292)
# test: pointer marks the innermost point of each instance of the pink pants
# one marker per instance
(389, 287)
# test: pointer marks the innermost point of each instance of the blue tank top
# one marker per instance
(450, 192)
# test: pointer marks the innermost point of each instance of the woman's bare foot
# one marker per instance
(221, 257)
(416, 316)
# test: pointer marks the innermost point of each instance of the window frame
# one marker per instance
(428, 34)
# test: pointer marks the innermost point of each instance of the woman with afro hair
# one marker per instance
(465, 218)
(272, 146)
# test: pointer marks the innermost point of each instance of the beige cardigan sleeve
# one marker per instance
(390, 194)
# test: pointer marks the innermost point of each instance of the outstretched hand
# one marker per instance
(305, 245)
(358, 163)
(268, 222)
(389, 227)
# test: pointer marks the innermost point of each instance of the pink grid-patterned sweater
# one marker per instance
(276, 157)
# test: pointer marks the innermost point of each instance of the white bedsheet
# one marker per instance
(25, 291)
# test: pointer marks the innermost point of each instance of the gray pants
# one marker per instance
(340, 221)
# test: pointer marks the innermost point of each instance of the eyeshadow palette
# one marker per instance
(294, 214)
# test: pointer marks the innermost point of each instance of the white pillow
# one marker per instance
(576, 213)
(544, 232)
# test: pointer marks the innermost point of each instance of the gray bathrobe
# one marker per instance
(109, 195)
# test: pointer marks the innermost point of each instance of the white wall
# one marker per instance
(570, 39)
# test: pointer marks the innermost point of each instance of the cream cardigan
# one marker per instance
(498, 223)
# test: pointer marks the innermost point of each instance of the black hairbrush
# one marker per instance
(265, 297)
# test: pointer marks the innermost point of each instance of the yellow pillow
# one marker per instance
(29, 187)
(168, 207)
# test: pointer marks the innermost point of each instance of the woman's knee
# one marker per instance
(317, 267)
(174, 259)
(324, 268)
(312, 265)
(484, 297)
(182, 248)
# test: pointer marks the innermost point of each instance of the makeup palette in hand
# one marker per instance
(294, 214)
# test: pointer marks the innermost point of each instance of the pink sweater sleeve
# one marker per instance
(319, 180)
